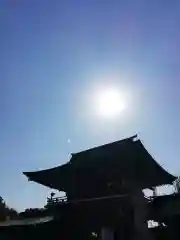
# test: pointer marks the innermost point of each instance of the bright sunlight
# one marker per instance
(110, 102)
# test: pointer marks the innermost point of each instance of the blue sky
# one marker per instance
(52, 55)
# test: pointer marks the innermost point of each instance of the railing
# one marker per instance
(56, 200)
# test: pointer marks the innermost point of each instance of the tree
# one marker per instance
(12, 213)
(32, 213)
(3, 210)
(6, 212)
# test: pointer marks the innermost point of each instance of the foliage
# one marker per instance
(6, 212)
(32, 213)
(9, 213)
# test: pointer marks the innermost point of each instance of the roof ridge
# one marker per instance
(132, 138)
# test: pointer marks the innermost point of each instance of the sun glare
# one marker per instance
(110, 103)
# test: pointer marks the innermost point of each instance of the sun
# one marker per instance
(110, 102)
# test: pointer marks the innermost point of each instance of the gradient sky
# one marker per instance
(53, 54)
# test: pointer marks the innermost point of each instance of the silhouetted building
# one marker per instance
(104, 186)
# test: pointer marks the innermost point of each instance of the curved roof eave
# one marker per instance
(128, 156)
(55, 178)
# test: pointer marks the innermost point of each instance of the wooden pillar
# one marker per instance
(154, 192)
(107, 234)
(140, 216)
